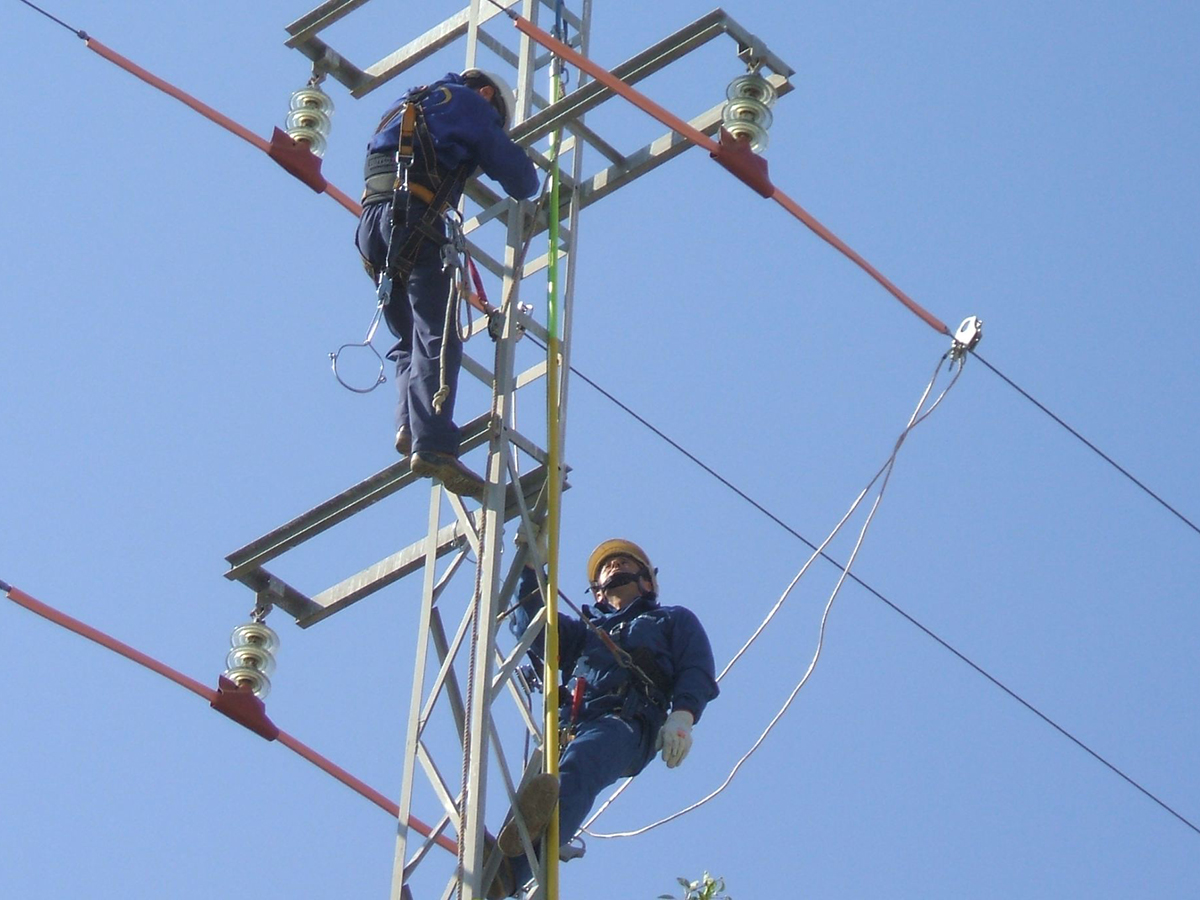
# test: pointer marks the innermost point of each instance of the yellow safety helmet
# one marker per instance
(620, 547)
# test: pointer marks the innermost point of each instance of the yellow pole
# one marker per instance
(554, 497)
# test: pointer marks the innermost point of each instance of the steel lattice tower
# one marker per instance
(465, 677)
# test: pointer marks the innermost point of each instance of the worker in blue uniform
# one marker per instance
(629, 709)
(460, 126)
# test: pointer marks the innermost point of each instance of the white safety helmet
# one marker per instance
(506, 97)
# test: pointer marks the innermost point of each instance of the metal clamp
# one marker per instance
(969, 333)
(496, 321)
(752, 50)
(456, 241)
(265, 599)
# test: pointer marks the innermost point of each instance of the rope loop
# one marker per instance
(885, 472)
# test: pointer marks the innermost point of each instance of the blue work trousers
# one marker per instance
(418, 320)
(604, 750)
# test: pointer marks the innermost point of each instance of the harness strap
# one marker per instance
(408, 126)
(432, 188)
(379, 187)
(625, 660)
(401, 260)
(402, 256)
(385, 174)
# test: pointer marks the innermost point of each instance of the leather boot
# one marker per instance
(536, 803)
(457, 478)
(404, 440)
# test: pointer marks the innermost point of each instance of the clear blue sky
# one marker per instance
(167, 300)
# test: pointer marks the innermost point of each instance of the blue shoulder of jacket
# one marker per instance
(451, 100)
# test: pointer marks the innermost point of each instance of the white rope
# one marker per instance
(885, 472)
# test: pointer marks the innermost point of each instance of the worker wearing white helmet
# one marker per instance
(494, 89)
(455, 126)
(646, 674)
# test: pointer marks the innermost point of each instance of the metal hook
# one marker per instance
(454, 224)
(380, 379)
(368, 343)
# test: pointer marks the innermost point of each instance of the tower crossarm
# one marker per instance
(465, 668)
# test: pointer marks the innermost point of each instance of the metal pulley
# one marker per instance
(747, 112)
(252, 659)
(310, 118)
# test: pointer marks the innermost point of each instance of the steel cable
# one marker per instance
(886, 472)
(122, 649)
(352, 207)
(874, 592)
(1108, 459)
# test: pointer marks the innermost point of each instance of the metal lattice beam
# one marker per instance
(460, 686)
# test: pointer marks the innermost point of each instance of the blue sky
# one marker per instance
(168, 297)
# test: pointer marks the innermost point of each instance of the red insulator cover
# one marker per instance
(296, 158)
(240, 704)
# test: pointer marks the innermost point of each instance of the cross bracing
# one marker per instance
(458, 687)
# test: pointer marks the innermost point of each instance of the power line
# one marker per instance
(920, 414)
(733, 156)
(936, 324)
(296, 161)
(1108, 459)
(928, 632)
(75, 31)
(340, 197)
(84, 630)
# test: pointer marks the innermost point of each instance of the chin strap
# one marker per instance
(619, 580)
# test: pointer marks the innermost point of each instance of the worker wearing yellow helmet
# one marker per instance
(645, 673)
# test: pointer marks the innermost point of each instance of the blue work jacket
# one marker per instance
(465, 128)
(673, 635)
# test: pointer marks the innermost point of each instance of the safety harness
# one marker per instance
(648, 679)
(389, 176)
(648, 684)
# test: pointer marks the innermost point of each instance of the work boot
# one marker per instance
(504, 884)
(446, 468)
(404, 440)
(536, 803)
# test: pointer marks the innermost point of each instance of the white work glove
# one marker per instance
(541, 551)
(675, 737)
